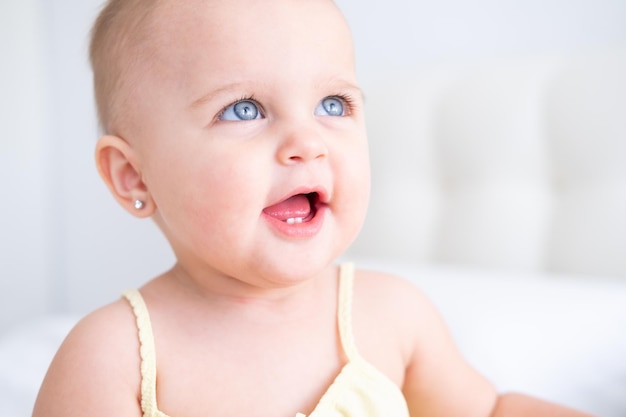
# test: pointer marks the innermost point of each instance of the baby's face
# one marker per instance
(250, 135)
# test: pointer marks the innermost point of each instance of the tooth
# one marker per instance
(298, 219)
(294, 220)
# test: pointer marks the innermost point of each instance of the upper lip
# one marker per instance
(320, 192)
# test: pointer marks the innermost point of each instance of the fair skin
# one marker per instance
(245, 322)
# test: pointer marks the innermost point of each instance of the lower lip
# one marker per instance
(299, 230)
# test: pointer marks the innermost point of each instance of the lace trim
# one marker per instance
(344, 313)
(147, 353)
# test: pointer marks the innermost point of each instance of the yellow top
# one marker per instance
(360, 390)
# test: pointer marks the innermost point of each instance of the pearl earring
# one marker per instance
(139, 204)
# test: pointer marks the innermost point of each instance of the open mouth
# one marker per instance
(297, 209)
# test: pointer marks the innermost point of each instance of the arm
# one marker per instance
(512, 405)
(439, 381)
(96, 370)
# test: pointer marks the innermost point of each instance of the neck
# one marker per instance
(251, 296)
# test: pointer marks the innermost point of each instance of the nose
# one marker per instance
(300, 146)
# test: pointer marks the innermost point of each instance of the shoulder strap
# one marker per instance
(146, 351)
(344, 310)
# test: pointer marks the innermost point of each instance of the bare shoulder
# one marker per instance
(95, 369)
(389, 317)
(400, 302)
(436, 379)
(394, 297)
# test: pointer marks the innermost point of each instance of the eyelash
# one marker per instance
(347, 100)
(243, 98)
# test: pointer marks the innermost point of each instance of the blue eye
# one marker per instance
(241, 110)
(330, 106)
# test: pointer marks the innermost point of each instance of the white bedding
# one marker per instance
(559, 338)
(25, 353)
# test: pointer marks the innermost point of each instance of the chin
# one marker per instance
(285, 272)
(300, 261)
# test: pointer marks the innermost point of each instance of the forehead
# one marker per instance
(259, 18)
(243, 36)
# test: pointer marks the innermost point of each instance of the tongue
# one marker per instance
(296, 206)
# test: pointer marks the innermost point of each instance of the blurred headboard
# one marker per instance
(514, 164)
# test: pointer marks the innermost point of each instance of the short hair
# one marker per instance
(117, 36)
(122, 39)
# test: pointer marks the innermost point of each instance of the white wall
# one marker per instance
(66, 246)
(394, 34)
(23, 225)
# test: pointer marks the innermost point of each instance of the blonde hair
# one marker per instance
(117, 38)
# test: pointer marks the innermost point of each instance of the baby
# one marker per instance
(238, 127)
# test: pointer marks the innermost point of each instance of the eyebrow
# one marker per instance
(216, 92)
(341, 83)
(331, 83)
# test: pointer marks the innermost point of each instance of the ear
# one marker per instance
(117, 164)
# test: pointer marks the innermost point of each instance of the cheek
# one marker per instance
(206, 196)
(360, 168)
(363, 173)
(227, 189)
(355, 183)
(362, 190)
